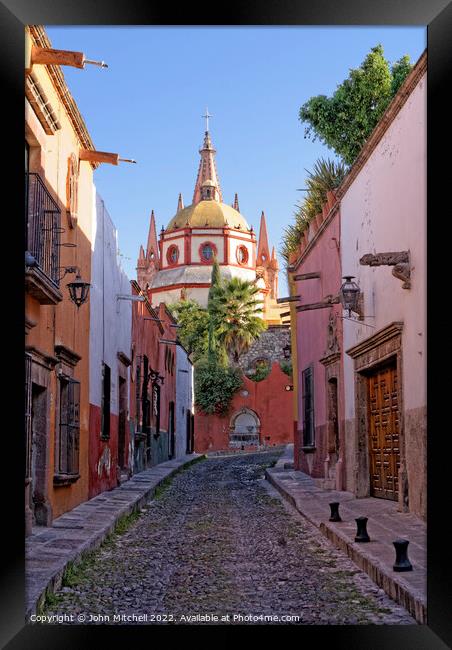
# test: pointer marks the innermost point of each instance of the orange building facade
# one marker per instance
(58, 212)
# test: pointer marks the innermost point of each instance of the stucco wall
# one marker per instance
(268, 399)
(384, 210)
(312, 340)
(184, 398)
(62, 323)
(110, 333)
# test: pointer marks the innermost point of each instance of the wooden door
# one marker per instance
(384, 432)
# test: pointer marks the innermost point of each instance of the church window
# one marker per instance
(242, 254)
(172, 255)
(207, 252)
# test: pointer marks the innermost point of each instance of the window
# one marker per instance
(207, 252)
(242, 255)
(172, 254)
(106, 392)
(308, 407)
(69, 428)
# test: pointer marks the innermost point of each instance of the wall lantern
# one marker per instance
(349, 294)
(286, 351)
(78, 290)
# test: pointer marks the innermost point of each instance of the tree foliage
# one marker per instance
(325, 175)
(234, 307)
(194, 322)
(218, 335)
(261, 371)
(215, 385)
(345, 120)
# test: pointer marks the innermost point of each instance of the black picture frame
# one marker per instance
(437, 16)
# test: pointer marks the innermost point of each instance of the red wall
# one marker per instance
(267, 398)
(106, 479)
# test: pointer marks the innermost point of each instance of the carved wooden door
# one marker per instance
(384, 433)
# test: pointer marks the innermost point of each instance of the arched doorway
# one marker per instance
(244, 429)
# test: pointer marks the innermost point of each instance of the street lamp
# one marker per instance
(78, 290)
(349, 294)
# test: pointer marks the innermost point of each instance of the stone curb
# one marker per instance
(123, 500)
(376, 570)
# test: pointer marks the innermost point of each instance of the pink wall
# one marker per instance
(312, 339)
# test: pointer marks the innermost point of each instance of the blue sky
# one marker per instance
(148, 104)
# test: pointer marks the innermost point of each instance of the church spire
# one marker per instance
(152, 249)
(180, 202)
(235, 205)
(263, 251)
(207, 170)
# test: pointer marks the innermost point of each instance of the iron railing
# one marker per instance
(42, 227)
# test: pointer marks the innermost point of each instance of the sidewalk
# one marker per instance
(49, 550)
(385, 525)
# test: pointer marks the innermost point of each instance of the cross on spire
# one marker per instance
(207, 115)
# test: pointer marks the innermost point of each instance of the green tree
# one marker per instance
(345, 120)
(215, 283)
(215, 385)
(235, 307)
(194, 321)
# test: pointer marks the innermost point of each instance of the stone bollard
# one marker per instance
(335, 516)
(402, 562)
(361, 533)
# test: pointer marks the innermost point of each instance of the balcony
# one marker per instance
(42, 242)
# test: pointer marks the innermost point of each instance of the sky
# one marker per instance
(148, 105)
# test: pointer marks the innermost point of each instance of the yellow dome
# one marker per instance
(212, 213)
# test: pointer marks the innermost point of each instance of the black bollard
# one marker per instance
(402, 562)
(335, 516)
(361, 533)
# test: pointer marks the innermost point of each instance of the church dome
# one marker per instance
(210, 213)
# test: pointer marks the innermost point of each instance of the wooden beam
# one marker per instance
(319, 305)
(99, 156)
(48, 56)
(288, 299)
(307, 276)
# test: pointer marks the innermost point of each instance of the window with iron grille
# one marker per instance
(308, 407)
(69, 427)
(106, 392)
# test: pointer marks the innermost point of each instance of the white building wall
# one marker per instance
(184, 398)
(385, 210)
(110, 319)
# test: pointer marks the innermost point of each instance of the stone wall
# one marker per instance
(269, 346)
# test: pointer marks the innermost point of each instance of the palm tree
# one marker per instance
(234, 308)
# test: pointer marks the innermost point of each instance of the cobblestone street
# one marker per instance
(219, 540)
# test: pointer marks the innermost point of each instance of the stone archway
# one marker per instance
(244, 429)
